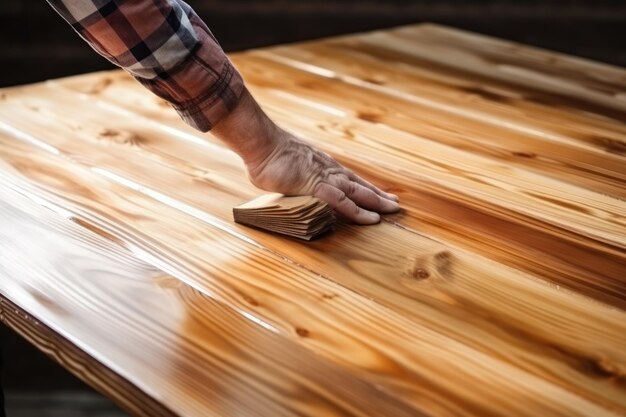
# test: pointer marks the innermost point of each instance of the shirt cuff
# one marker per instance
(203, 88)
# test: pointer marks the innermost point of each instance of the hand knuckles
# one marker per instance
(351, 188)
(341, 197)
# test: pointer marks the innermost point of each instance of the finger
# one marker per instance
(374, 188)
(338, 200)
(368, 199)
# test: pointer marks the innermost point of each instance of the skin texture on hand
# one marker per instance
(295, 167)
(278, 161)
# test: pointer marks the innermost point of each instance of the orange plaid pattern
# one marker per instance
(166, 47)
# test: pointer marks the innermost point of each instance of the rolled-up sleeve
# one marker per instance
(166, 47)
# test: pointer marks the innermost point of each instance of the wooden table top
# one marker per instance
(499, 289)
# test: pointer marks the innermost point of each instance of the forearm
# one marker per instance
(248, 131)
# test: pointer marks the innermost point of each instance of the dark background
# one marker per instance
(35, 44)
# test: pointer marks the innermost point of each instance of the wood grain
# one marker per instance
(499, 290)
(331, 327)
(444, 73)
(165, 341)
(536, 248)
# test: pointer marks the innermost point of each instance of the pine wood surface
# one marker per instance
(499, 289)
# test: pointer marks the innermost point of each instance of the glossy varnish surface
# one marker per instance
(500, 289)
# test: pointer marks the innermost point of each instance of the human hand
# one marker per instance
(278, 161)
(294, 167)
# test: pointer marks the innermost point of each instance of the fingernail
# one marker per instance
(394, 197)
(375, 217)
(391, 207)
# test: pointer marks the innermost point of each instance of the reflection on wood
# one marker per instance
(565, 261)
(499, 290)
(162, 336)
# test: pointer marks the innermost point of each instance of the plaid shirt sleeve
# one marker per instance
(166, 47)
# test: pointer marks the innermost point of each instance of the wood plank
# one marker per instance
(417, 254)
(594, 77)
(411, 70)
(407, 359)
(401, 313)
(591, 168)
(507, 218)
(546, 254)
(579, 210)
(154, 344)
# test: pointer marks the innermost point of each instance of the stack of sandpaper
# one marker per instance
(304, 217)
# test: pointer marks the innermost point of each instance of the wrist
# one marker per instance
(248, 131)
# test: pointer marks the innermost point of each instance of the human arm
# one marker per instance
(169, 49)
(165, 46)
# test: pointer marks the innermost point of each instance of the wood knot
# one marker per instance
(429, 269)
(602, 368)
(119, 137)
(302, 332)
(108, 133)
(369, 116)
(99, 86)
(309, 85)
(420, 273)
(525, 154)
(348, 133)
(163, 103)
(337, 128)
(485, 94)
(443, 262)
(329, 296)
